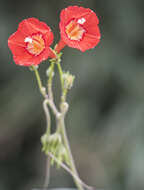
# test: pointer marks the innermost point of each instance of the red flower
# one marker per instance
(30, 43)
(79, 28)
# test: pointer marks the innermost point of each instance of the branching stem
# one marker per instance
(59, 116)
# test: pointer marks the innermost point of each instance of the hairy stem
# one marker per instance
(62, 129)
(50, 93)
(67, 146)
(41, 88)
(47, 114)
(47, 175)
(48, 100)
(60, 74)
(48, 125)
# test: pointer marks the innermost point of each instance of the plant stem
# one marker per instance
(65, 167)
(47, 175)
(60, 74)
(64, 91)
(48, 99)
(54, 108)
(48, 125)
(67, 146)
(41, 88)
(62, 129)
(50, 81)
(47, 114)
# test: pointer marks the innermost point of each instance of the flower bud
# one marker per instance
(44, 141)
(48, 71)
(50, 143)
(63, 151)
(68, 80)
(55, 140)
(62, 155)
(64, 107)
(44, 138)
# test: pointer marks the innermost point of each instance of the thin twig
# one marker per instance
(47, 175)
(47, 114)
(50, 93)
(60, 74)
(41, 87)
(67, 146)
(53, 107)
(48, 124)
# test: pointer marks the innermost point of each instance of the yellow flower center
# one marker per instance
(74, 30)
(35, 44)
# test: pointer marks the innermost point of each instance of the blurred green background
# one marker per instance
(105, 122)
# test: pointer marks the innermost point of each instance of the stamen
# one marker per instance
(74, 30)
(81, 20)
(35, 44)
(28, 39)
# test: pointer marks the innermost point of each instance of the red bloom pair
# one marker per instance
(30, 44)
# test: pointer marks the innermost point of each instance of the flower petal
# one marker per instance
(87, 21)
(32, 25)
(31, 34)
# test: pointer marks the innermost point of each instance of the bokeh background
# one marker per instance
(105, 122)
